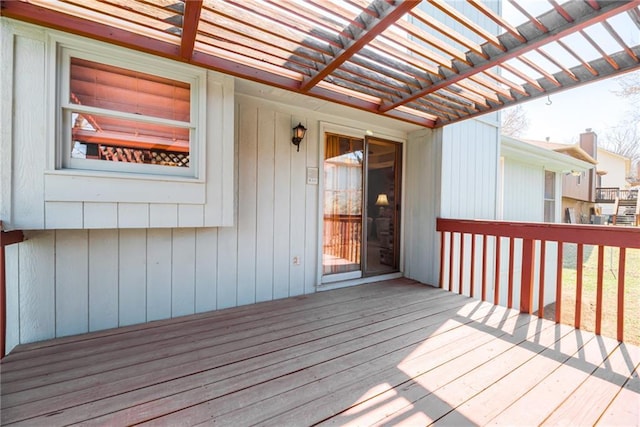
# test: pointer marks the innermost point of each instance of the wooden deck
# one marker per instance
(387, 353)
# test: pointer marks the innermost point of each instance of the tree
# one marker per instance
(624, 138)
(514, 121)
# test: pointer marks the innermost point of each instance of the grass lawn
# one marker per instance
(610, 291)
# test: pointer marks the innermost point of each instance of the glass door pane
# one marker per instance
(383, 206)
(342, 222)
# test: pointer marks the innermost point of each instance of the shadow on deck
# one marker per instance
(386, 353)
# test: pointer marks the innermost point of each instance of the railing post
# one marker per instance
(526, 282)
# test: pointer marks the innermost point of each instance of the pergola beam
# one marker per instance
(600, 66)
(564, 28)
(390, 14)
(190, 20)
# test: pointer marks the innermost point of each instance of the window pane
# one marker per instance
(549, 185)
(549, 211)
(119, 89)
(342, 204)
(115, 139)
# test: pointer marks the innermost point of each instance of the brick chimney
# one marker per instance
(589, 142)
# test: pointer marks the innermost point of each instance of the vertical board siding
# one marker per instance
(136, 275)
(469, 170)
(206, 269)
(12, 274)
(72, 293)
(132, 280)
(104, 265)
(37, 287)
(100, 215)
(265, 203)
(159, 271)
(28, 193)
(133, 215)
(310, 258)
(282, 206)
(183, 269)
(247, 202)
(519, 205)
(298, 212)
(421, 197)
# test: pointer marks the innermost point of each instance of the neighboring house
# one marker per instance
(578, 185)
(616, 176)
(616, 168)
(541, 172)
(530, 189)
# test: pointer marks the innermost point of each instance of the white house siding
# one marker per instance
(62, 282)
(451, 173)
(470, 153)
(421, 207)
(34, 196)
(523, 191)
(617, 168)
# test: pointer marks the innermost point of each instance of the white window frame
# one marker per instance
(194, 77)
(103, 181)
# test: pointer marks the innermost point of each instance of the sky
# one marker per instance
(592, 105)
(572, 111)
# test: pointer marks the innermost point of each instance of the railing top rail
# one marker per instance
(624, 237)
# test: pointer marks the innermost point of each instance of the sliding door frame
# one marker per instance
(353, 277)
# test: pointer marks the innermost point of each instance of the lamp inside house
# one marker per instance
(298, 135)
(382, 201)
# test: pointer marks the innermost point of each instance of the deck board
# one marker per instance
(386, 353)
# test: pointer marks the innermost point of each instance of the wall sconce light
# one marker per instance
(298, 135)
(573, 173)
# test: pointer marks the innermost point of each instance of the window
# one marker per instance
(549, 196)
(115, 116)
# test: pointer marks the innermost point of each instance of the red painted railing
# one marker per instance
(536, 249)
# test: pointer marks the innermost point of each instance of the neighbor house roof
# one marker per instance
(542, 155)
(573, 150)
(383, 56)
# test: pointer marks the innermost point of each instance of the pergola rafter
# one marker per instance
(389, 57)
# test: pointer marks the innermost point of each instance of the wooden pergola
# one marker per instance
(383, 56)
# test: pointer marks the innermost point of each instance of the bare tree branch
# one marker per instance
(514, 121)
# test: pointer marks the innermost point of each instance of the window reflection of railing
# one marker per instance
(342, 237)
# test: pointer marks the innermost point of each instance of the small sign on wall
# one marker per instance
(312, 176)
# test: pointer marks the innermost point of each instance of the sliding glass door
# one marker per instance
(361, 206)
(343, 183)
(383, 206)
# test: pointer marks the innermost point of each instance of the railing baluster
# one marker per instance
(621, 272)
(529, 234)
(473, 264)
(450, 285)
(484, 267)
(510, 290)
(461, 272)
(579, 258)
(543, 256)
(442, 237)
(599, 286)
(526, 282)
(496, 291)
(559, 266)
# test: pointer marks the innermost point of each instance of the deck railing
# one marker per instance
(478, 256)
(610, 194)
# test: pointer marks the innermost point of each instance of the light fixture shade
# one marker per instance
(298, 134)
(382, 200)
